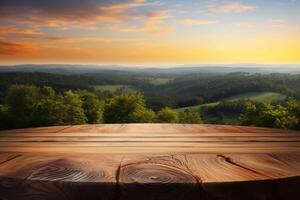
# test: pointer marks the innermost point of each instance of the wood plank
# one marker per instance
(53, 129)
(150, 134)
(140, 138)
(58, 177)
(149, 161)
(6, 157)
(149, 128)
(214, 168)
(160, 177)
(146, 150)
(239, 167)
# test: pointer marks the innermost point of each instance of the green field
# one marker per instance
(196, 107)
(113, 88)
(156, 81)
(160, 81)
(229, 118)
(266, 97)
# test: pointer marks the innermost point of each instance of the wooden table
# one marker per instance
(149, 161)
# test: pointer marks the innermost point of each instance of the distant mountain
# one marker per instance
(188, 69)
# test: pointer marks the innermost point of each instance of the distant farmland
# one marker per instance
(114, 88)
(233, 118)
(156, 81)
(264, 97)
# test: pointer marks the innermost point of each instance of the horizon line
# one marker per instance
(171, 65)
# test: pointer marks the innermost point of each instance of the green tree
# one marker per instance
(47, 108)
(5, 119)
(127, 108)
(144, 116)
(267, 115)
(250, 114)
(31, 106)
(72, 110)
(92, 106)
(167, 115)
(190, 116)
(21, 100)
(293, 109)
(40, 106)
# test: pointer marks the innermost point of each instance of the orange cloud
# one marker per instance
(14, 30)
(60, 13)
(153, 24)
(157, 15)
(150, 26)
(9, 48)
(192, 22)
(120, 7)
(233, 7)
(27, 33)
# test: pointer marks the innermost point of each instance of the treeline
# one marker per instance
(181, 91)
(65, 82)
(285, 114)
(186, 90)
(32, 106)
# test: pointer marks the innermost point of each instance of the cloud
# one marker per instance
(62, 12)
(27, 33)
(120, 7)
(196, 22)
(10, 48)
(233, 7)
(78, 39)
(150, 26)
(157, 15)
(153, 24)
(9, 30)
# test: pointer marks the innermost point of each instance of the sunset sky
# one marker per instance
(149, 31)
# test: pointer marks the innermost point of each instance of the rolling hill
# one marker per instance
(180, 69)
(266, 97)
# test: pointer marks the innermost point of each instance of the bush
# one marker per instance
(92, 106)
(73, 112)
(167, 115)
(29, 106)
(127, 108)
(267, 115)
(190, 116)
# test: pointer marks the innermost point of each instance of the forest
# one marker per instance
(179, 91)
(30, 99)
(32, 106)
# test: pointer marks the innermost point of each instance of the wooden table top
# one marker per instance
(149, 161)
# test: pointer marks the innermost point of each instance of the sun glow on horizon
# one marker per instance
(150, 32)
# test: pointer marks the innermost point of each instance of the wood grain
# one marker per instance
(149, 161)
(160, 177)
